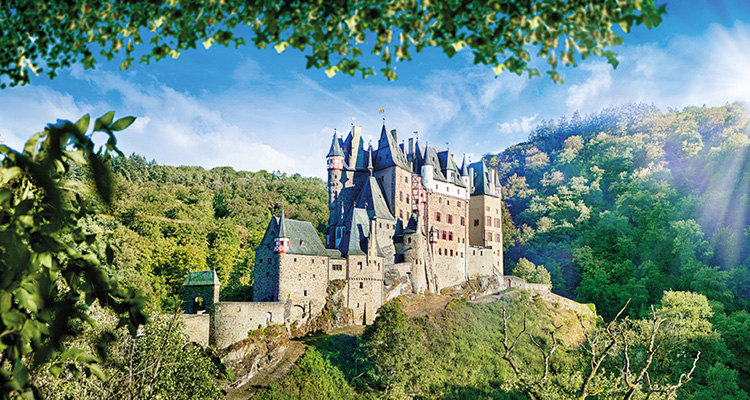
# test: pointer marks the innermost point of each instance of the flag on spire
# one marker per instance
(381, 111)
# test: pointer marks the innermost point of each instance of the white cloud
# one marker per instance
(589, 95)
(524, 125)
(27, 110)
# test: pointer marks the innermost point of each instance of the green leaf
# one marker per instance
(55, 370)
(13, 319)
(5, 301)
(96, 370)
(104, 121)
(20, 373)
(83, 124)
(122, 123)
(10, 173)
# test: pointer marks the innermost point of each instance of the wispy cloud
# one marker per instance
(523, 125)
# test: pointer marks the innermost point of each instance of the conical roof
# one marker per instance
(335, 147)
(282, 226)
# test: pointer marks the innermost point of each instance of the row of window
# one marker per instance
(312, 260)
(448, 202)
(449, 252)
(497, 210)
(497, 237)
(488, 222)
(449, 218)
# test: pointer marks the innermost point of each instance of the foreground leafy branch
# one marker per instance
(504, 34)
(51, 274)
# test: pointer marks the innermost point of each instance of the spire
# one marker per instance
(282, 226)
(335, 147)
(464, 170)
(369, 159)
(281, 242)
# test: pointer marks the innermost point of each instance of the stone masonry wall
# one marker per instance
(479, 261)
(303, 280)
(265, 286)
(449, 252)
(231, 321)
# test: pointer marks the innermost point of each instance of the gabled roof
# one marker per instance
(371, 200)
(303, 238)
(356, 233)
(389, 152)
(447, 163)
(201, 278)
(431, 158)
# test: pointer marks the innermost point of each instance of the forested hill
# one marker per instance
(631, 201)
(168, 220)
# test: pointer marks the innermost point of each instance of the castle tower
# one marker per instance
(281, 242)
(335, 164)
(465, 175)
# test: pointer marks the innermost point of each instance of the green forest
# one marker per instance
(641, 212)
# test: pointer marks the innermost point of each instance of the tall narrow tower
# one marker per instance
(281, 241)
(335, 164)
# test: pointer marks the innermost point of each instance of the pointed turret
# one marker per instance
(335, 158)
(369, 160)
(464, 169)
(281, 241)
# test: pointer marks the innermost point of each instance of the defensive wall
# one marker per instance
(232, 320)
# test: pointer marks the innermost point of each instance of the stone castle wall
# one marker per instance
(479, 261)
(516, 282)
(303, 280)
(448, 252)
(231, 321)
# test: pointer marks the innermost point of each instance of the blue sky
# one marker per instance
(255, 109)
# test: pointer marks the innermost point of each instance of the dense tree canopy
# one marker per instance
(630, 202)
(42, 37)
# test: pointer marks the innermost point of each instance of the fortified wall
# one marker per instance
(231, 320)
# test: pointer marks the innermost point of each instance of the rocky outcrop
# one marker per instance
(262, 351)
(474, 288)
(334, 314)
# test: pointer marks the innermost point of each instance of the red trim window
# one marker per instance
(497, 237)
(437, 216)
(497, 222)
(463, 221)
(445, 235)
(450, 218)
(450, 235)
(489, 221)
(489, 236)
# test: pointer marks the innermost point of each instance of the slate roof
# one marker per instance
(481, 179)
(355, 234)
(201, 278)
(335, 147)
(303, 238)
(371, 199)
(389, 152)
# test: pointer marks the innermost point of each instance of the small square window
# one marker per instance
(361, 285)
(304, 293)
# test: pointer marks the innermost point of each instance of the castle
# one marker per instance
(404, 217)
